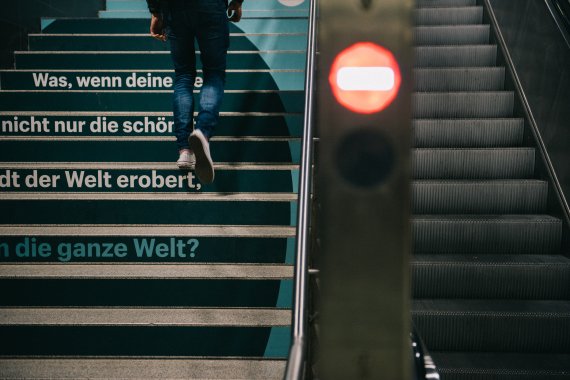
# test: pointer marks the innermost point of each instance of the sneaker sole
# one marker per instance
(204, 167)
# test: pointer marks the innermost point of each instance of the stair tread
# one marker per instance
(144, 271)
(493, 260)
(143, 368)
(144, 317)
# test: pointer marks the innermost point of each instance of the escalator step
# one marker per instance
(501, 366)
(445, 3)
(476, 133)
(448, 16)
(463, 79)
(491, 276)
(451, 35)
(450, 56)
(463, 105)
(494, 326)
(502, 234)
(504, 163)
(479, 197)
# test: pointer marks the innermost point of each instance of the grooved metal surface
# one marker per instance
(469, 133)
(143, 317)
(501, 234)
(463, 105)
(448, 16)
(494, 326)
(506, 163)
(484, 276)
(144, 271)
(502, 366)
(455, 56)
(451, 35)
(479, 197)
(149, 368)
(459, 79)
(445, 3)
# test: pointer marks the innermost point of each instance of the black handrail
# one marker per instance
(297, 354)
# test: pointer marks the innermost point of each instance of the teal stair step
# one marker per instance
(133, 178)
(449, 16)
(141, 124)
(494, 326)
(146, 285)
(468, 133)
(223, 150)
(139, 42)
(161, 60)
(483, 276)
(139, 5)
(141, 101)
(285, 13)
(184, 244)
(139, 368)
(148, 208)
(148, 80)
(103, 26)
(201, 341)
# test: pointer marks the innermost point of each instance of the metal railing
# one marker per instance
(298, 352)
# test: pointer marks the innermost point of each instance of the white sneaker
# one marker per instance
(204, 164)
(186, 160)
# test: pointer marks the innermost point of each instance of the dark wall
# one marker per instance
(20, 17)
(542, 61)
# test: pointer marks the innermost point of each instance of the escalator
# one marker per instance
(491, 280)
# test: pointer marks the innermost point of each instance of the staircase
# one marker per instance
(114, 263)
(491, 285)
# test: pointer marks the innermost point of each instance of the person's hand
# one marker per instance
(234, 9)
(157, 28)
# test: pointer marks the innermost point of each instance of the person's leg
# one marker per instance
(184, 58)
(212, 33)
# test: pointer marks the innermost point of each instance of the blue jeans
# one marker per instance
(206, 22)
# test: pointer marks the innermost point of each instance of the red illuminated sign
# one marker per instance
(365, 78)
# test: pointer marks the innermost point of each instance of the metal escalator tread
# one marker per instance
(451, 35)
(455, 56)
(485, 276)
(467, 133)
(481, 325)
(459, 79)
(502, 366)
(448, 16)
(445, 3)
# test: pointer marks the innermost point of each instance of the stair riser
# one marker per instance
(151, 293)
(145, 42)
(454, 80)
(148, 212)
(494, 333)
(117, 26)
(154, 181)
(290, 101)
(114, 80)
(158, 61)
(456, 56)
(147, 249)
(143, 341)
(463, 105)
(146, 151)
(142, 124)
(490, 282)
